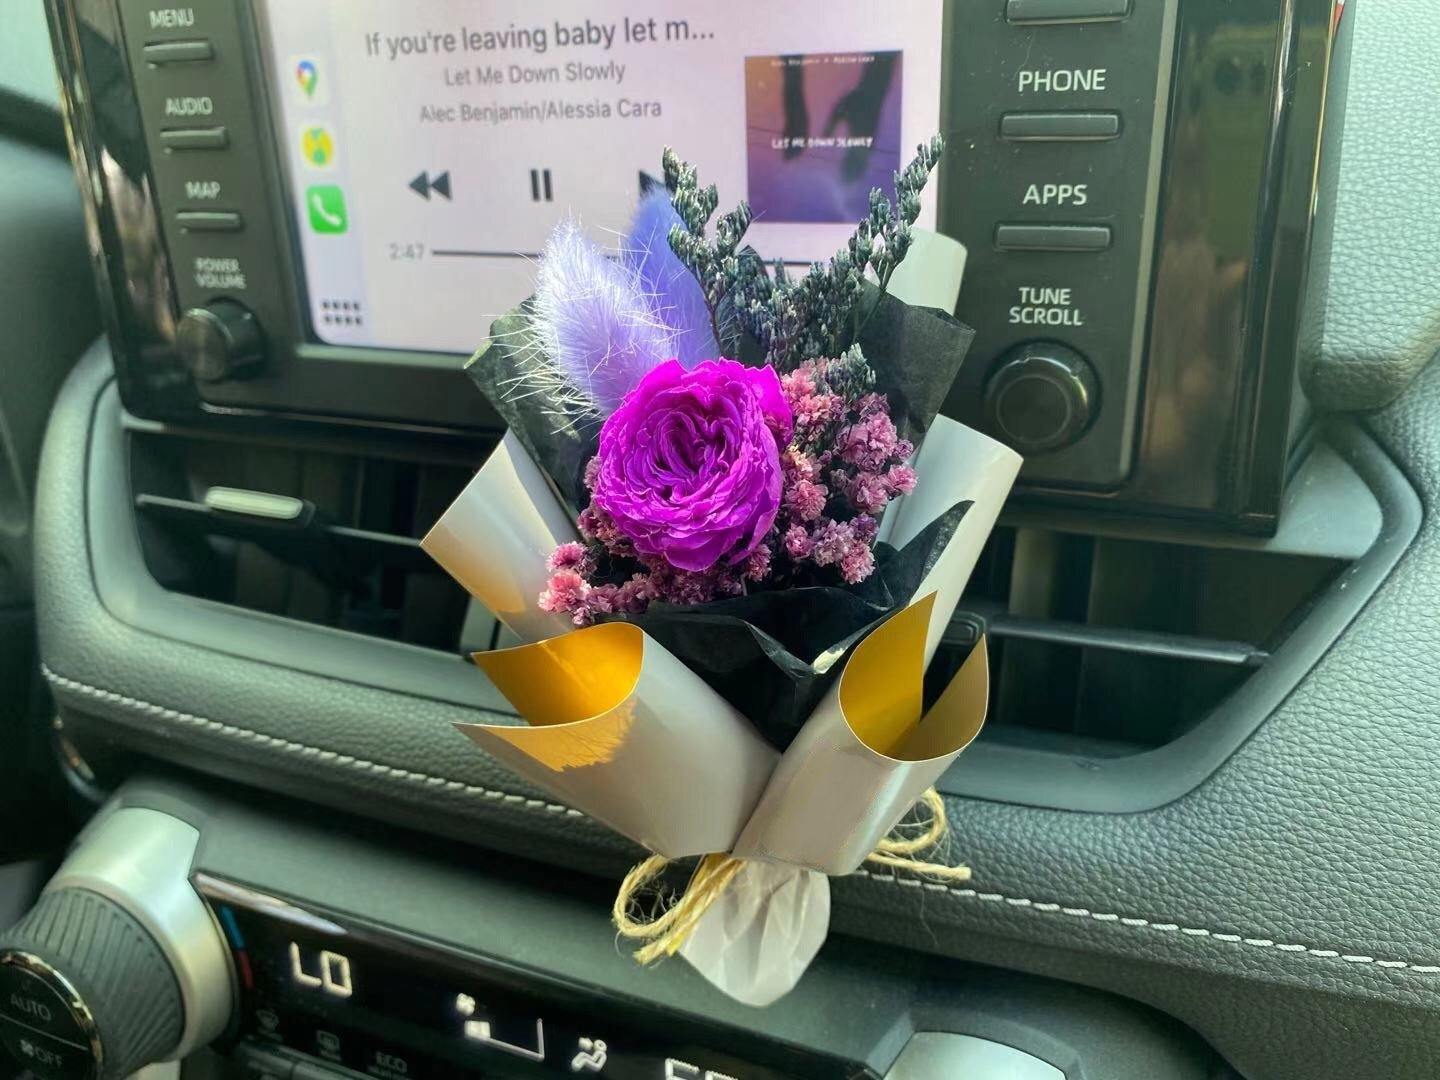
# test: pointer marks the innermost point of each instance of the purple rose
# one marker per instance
(689, 465)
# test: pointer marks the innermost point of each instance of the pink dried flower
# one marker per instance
(799, 382)
(833, 541)
(870, 443)
(858, 563)
(806, 500)
(571, 556)
(636, 594)
(602, 600)
(868, 492)
(900, 479)
(757, 566)
(798, 544)
(566, 592)
(865, 528)
(798, 465)
(596, 526)
(816, 411)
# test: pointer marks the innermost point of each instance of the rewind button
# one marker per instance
(424, 184)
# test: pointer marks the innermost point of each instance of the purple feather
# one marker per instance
(597, 325)
(674, 292)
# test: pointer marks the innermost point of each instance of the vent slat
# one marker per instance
(345, 552)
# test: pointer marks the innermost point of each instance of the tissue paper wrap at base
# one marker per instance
(758, 938)
(621, 730)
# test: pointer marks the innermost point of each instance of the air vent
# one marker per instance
(1102, 646)
(1105, 647)
(315, 534)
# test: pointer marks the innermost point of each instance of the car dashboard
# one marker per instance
(1199, 266)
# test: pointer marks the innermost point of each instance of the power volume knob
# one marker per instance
(1041, 396)
(85, 992)
(222, 340)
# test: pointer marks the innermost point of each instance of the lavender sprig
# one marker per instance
(818, 315)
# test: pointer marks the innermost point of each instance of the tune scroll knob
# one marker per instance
(220, 341)
(1041, 396)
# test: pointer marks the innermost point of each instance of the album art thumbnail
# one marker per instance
(821, 130)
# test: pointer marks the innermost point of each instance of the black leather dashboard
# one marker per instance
(1286, 909)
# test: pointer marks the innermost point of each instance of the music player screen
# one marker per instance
(431, 148)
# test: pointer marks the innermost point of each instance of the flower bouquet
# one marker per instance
(731, 526)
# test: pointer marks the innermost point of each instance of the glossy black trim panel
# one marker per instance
(1229, 269)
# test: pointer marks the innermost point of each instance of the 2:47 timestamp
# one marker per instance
(406, 251)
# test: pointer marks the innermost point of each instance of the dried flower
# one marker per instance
(690, 465)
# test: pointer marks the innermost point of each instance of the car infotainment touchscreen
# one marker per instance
(430, 148)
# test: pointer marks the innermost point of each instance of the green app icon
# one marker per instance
(326, 204)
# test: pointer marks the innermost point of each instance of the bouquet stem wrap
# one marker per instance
(667, 929)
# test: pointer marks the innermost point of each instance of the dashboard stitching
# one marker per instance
(1044, 908)
(330, 756)
(1148, 924)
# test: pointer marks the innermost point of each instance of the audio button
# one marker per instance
(195, 138)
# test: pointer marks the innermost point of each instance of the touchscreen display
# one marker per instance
(431, 147)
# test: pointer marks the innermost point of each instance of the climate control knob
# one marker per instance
(220, 341)
(1041, 396)
(119, 964)
(85, 991)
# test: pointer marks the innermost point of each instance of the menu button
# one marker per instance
(177, 52)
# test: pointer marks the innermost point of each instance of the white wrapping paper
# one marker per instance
(953, 464)
(932, 271)
(866, 755)
(620, 729)
(496, 535)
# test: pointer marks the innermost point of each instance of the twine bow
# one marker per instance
(664, 929)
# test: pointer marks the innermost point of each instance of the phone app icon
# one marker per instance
(326, 206)
(318, 146)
